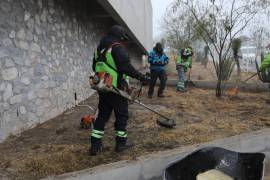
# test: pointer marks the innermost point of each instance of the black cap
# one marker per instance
(119, 32)
(159, 47)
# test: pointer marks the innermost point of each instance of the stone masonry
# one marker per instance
(46, 50)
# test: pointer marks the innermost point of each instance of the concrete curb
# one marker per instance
(253, 87)
(150, 167)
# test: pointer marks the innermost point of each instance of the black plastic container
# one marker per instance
(240, 166)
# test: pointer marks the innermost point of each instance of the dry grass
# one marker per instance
(58, 146)
(200, 73)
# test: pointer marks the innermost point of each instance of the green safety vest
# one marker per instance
(108, 66)
(265, 69)
(265, 63)
(185, 62)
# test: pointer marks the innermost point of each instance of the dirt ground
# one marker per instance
(59, 146)
(201, 73)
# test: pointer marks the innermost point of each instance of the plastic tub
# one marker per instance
(239, 166)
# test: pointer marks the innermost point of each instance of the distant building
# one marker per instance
(248, 58)
(250, 53)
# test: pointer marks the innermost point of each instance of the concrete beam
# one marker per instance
(151, 167)
(135, 16)
(101, 16)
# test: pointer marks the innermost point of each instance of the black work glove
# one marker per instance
(145, 79)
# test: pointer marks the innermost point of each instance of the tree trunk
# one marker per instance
(218, 89)
(238, 67)
(205, 63)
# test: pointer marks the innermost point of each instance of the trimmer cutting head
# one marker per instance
(167, 123)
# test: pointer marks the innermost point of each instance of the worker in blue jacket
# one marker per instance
(158, 61)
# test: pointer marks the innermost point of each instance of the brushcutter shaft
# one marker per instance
(250, 77)
(150, 109)
(168, 123)
(91, 108)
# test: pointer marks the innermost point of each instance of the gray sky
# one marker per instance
(159, 8)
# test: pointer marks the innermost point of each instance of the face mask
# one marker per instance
(124, 37)
(187, 52)
(159, 49)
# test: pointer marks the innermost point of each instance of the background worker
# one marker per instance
(183, 62)
(158, 60)
(113, 58)
(265, 69)
(265, 63)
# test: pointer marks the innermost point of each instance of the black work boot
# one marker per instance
(161, 95)
(96, 146)
(122, 144)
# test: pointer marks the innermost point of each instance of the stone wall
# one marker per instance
(45, 57)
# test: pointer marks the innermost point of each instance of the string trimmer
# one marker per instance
(189, 82)
(234, 91)
(165, 121)
(100, 83)
(87, 120)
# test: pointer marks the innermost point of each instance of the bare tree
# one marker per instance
(179, 28)
(218, 22)
(259, 35)
(205, 56)
(236, 45)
